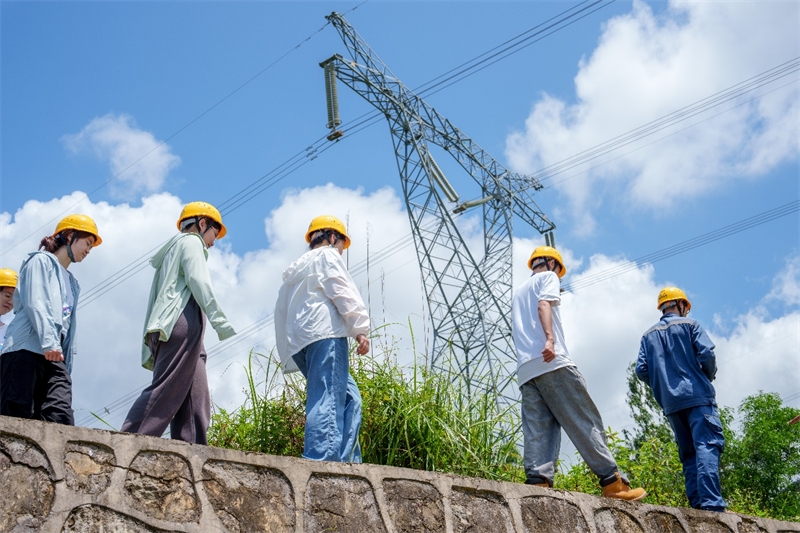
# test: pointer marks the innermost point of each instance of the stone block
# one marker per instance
(707, 525)
(160, 485)
(414, 506)
(88, 467)
(663, 523)
(249, 499)
(341, 503)
(616, 521)
(96, 519)
(548, 514)
(26, 478)
(481, 511)
(748, 526)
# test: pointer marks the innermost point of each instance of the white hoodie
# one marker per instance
(318, 300)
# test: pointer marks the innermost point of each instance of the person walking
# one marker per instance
(318, 308)
(8, 282)
(554, 394)
(181, 297)
(676, 360)
(39, 345)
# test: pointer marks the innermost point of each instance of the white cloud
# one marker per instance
(646, 66)
(760, 354)
(786, 285)
(603, 322)
(117, 140)
(107, 365)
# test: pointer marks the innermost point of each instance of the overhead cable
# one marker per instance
(289, 166)
(172, 136)
(701, 106)
(685, 246)
(407, 240)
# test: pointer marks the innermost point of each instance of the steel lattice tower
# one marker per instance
(469, 295)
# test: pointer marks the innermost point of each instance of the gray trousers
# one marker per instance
(178, 396)
(556, 400)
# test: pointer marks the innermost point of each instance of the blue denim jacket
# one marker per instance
(38, 309)
(676, 358)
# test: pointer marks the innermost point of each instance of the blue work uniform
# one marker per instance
(676, 359)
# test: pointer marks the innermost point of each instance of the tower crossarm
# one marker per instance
(369, 77)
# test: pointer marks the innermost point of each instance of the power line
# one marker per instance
(318, 147)
(685, 246)
(388, 251)
(764, 78)
(407, 240)
(517, 47)
(179, 131)
(671, 134)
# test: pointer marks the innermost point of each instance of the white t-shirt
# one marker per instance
(68, 299)
(529, 336)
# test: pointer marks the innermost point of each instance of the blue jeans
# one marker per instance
(333, 403)
(698, 432)
(556, 400)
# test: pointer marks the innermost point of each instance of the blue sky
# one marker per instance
(88, 87)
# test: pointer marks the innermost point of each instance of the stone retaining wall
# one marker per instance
(63, 479)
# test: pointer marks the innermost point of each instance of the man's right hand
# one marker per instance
(549, 351)
(53, 355)
(363, 344)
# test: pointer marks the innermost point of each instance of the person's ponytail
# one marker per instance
(50, 244)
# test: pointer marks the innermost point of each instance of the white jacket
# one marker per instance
(318, 300)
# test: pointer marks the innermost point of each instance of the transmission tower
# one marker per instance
(469, 294)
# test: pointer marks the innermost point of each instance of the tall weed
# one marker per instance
(412, 418)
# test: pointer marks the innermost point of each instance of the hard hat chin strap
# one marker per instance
(195, 221)
(60, 238)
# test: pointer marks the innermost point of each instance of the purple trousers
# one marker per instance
(178, 397)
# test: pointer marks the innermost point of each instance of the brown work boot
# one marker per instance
(619, 488)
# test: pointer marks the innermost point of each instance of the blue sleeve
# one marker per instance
(705, 351)
(642, 372)
(37, 286)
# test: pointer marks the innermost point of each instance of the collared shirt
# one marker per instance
(529, 337)
(318, 300)
(676, 358)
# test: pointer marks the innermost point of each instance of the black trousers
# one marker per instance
(178, 397)
(33, 387)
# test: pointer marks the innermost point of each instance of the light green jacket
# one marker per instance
(181, 273)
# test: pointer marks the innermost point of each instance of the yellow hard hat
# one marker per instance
(327, 222)
(8, 278)
(668, 294)
(202, 209)
(80, 223)
(547, 251)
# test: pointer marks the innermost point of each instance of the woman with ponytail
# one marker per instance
(36, 359)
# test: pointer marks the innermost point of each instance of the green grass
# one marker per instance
(412, 418)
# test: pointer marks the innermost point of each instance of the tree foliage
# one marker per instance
(762, 459)
(649, 419)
